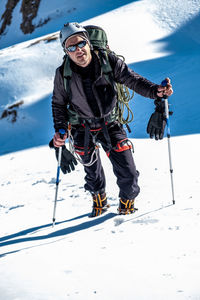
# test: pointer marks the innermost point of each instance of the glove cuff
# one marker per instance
(51, 145)
(160, 105)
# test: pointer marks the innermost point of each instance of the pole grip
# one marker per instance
(164, 83)
(62, 132)
(165, 97)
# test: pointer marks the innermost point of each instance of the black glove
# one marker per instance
(68, 161)
(157, 121)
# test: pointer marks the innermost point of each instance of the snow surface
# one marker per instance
(153, 254)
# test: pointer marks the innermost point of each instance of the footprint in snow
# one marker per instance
(146, 221)
(118, 221)
(52, 181)
(39, 181)
(17, 206)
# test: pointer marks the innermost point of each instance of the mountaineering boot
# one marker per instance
(99, 204)
(126, 207)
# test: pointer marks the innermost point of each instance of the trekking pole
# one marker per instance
(62, 132)
(164, 83)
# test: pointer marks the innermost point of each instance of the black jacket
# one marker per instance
(104, 93)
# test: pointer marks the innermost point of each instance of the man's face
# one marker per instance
(81, 56)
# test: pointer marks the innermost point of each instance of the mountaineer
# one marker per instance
(84, 104)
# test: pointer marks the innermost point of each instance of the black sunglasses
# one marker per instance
(73, 48)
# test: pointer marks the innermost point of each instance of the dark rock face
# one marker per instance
(29, 10)
(10, 113)
(7, 15)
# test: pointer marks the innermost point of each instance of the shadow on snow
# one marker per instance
(182, 65)
(6, 241)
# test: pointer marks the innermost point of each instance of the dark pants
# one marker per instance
(120, 156)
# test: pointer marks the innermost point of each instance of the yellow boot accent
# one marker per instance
(99, 204)
(126, 207)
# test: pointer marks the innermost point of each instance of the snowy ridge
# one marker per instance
(51, 14)
(155, 50)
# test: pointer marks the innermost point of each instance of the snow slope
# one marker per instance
(153, 254)
(57, 12)
(150, 50)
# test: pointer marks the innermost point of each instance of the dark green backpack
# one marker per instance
(99, 42)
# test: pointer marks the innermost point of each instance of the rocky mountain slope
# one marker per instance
(22, 20)
(28, 10)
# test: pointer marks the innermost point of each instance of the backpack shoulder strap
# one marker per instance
(104, 60)
(67, 74)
